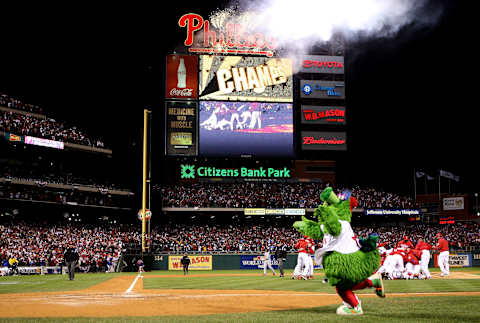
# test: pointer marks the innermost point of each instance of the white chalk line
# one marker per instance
(129, 290)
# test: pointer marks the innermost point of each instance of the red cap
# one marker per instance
(439, 235)
(305, 237)
(405, 237)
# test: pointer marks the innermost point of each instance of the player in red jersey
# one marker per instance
(424, 249)
(302, 246)
(405, 243)
(442, 246)
(412, 266)
(311, 251)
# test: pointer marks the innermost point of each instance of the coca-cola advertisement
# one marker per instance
(182, 77)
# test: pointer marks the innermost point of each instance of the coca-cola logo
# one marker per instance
(181, 92)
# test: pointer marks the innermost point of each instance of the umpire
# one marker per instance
(281, 255)
(71, 257)
(185, 263)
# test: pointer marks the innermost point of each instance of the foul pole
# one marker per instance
(145, 179)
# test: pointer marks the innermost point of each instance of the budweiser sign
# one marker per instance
(182, 77)
(314, 140)
(323, 141)
(224, 36)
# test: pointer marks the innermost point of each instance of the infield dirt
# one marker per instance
(121, 296)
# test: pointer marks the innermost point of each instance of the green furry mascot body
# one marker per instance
(347, 261)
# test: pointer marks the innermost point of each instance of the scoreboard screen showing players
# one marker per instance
(234, 129)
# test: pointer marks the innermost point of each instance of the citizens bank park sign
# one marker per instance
(193, 171)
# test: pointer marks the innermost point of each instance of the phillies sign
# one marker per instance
(321, 64)
(323, 115)
(224, 37)
(315, 140)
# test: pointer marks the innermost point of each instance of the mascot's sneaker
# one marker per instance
(347, 310)
(378, 285)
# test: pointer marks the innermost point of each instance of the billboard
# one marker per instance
(322, 89)
(182, 77)
(245, 128)
(255, 262)
(181, 128)
(44, 142)
(13, 138)
(315, 140)
(237, 78)
(323, 115)
(193, 171)
(197, 262)
(453, 203)
(321, 64)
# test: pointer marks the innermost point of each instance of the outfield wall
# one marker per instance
(239, 261)
(225, 262)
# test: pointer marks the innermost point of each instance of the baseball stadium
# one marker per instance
(243, 161)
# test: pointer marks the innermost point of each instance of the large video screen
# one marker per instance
(237, 78)
(233, 129)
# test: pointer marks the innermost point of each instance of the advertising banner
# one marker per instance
(294, 211)
(411, 212)
(254, 211)
(315, 140)
(321, 64)
(274, 211)
(197, 262)
(323, 115)
(237, 78)
(457, 260)
(235, 129)
(13, 138)
(255, 262)
(181, 128)
(44, 142)
(196, 171)
(182, 77)
(453, 203)
(322, 89)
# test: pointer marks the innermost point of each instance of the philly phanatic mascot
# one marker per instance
(348, 263)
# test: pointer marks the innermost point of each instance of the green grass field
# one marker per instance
(413, 308)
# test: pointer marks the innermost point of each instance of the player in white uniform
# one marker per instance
(267, 262)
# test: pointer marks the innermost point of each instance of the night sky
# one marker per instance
(411, 98)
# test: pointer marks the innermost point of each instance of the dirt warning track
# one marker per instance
(125, 296)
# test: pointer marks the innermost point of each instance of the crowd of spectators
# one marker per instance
(38, 192)
(100, 246)
(53, 176)
(221, 238)
(270, 195)
(14, 103)
(28, 125)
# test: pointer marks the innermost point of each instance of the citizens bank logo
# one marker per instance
(187, 171)
(307, 89)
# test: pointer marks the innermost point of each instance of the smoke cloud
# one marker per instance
(297, 24)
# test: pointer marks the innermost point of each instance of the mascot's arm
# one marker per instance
(327, 215)
(309, 228)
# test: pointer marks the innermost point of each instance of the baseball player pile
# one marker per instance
(405, 261)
